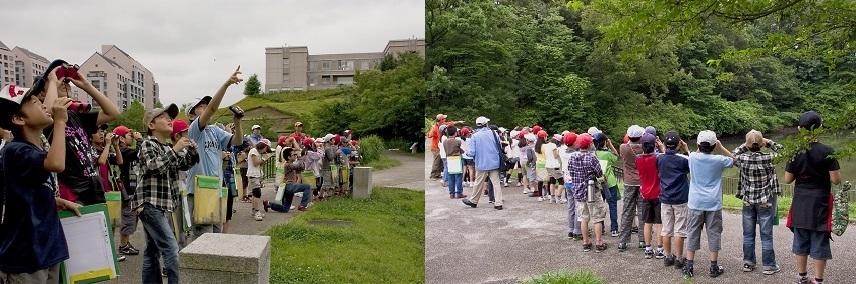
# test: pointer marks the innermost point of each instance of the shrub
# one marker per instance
(371, 147)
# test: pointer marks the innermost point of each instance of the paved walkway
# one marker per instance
(242, 222)
(483, 245)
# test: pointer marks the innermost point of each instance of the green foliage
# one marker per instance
(132, 117)
(384, 243)
(565, 277)
(386, 103)
(371, 148)
(253, 86)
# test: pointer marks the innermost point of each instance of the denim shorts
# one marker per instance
(812, 243)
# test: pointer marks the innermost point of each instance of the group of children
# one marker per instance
(56, 157)
(677, 192)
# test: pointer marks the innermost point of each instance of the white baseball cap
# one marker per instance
(593, 130)
(530, 137)
(482, 120)
(13, 93)
(706, 136)
(502, 129)
(514, 133)
(635, 131)
(256, 126)
(328, 137)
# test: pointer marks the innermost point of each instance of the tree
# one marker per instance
(132, 117)
(253, 86)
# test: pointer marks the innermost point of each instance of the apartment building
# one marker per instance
(119, 77)
(7, 65)
(28, 66)
(293, 68)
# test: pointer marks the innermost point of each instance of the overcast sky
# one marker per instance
(192, 46)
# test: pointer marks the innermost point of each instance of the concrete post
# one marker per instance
(226, 258)
(362, 182)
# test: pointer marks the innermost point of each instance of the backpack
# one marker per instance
(840, 210)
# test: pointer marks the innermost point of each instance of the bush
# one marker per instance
(371, 147)
(565, 277)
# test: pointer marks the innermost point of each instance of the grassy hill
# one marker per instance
(276, 112)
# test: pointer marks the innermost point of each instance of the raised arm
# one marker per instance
(55, 160)
(209, 111)
(109, 111)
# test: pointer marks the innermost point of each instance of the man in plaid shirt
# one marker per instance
(157, 192)
(758, 187)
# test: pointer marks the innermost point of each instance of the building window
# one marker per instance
(325, 65)
(364, 65)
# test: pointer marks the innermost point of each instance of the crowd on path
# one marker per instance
(57, 154)
(674, 193)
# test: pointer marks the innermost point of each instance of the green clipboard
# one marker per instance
(94, 276)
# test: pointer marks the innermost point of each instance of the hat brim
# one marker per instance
(205, 99)
(172, 111)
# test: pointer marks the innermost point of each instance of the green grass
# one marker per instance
(784, 204)
(564, 277)
(385, 243)
(384, 162)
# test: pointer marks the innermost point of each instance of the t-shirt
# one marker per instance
(706, 180)
(80, 174)
(674, 184)
(628, 154)
(210, 142)
(452, 147)
(552, 161)
(442, 148)
(811, 207)
(252, 169)
(129, 163)
(31, 236)
(648, 176)
(515, 149)
(607, 160)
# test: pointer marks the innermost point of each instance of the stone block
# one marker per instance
(362, 182)
(226, 258)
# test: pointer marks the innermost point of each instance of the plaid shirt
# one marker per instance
(158, 179)
(582, 167)
(757, 181)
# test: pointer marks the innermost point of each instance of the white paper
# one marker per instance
(89, 245)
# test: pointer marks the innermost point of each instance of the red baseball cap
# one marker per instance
(584, 141)
(281, 140)
(308, 141)
(536, 128)
(121, 130)
(178, 126)
(542, 134)
(465, 131)
(569, 138)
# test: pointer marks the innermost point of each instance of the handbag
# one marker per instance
(454, 165)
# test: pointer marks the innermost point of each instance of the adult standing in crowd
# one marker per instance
(484, 147)
(434, 134)
(813, 172)
(211, 141)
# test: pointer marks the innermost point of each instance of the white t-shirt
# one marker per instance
(253, 170)
(515, 148)
(465, 147)
(547, 150)
(442, 149)
(565, 157)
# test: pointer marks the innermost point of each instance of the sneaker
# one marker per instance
(292, 207)
(634, 230)
(717, 270)
(748, 267)
(519, 184)
(679, 262)
(649, 254)
(771, 270)
(540, 198)
(587, 247)
(614, 233)
(128, 250)
(571, 236)
(460, 195)
(302, 208)
(451, 196)
(687, 271)
(490, 202)
(669, 260)
(600, 247)
(563, 201)
(498, 207)
(659, 254)
(163, 272)
(525, 191)
(469, 203)
(121, 258)
(622, 247)
(258, 216)
(804, 280)
(266, 205)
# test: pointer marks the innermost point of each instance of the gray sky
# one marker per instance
(179, 40)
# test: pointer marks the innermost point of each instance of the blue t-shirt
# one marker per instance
(31, 236)
(210, 143)
(674, 185)
(706, 180)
